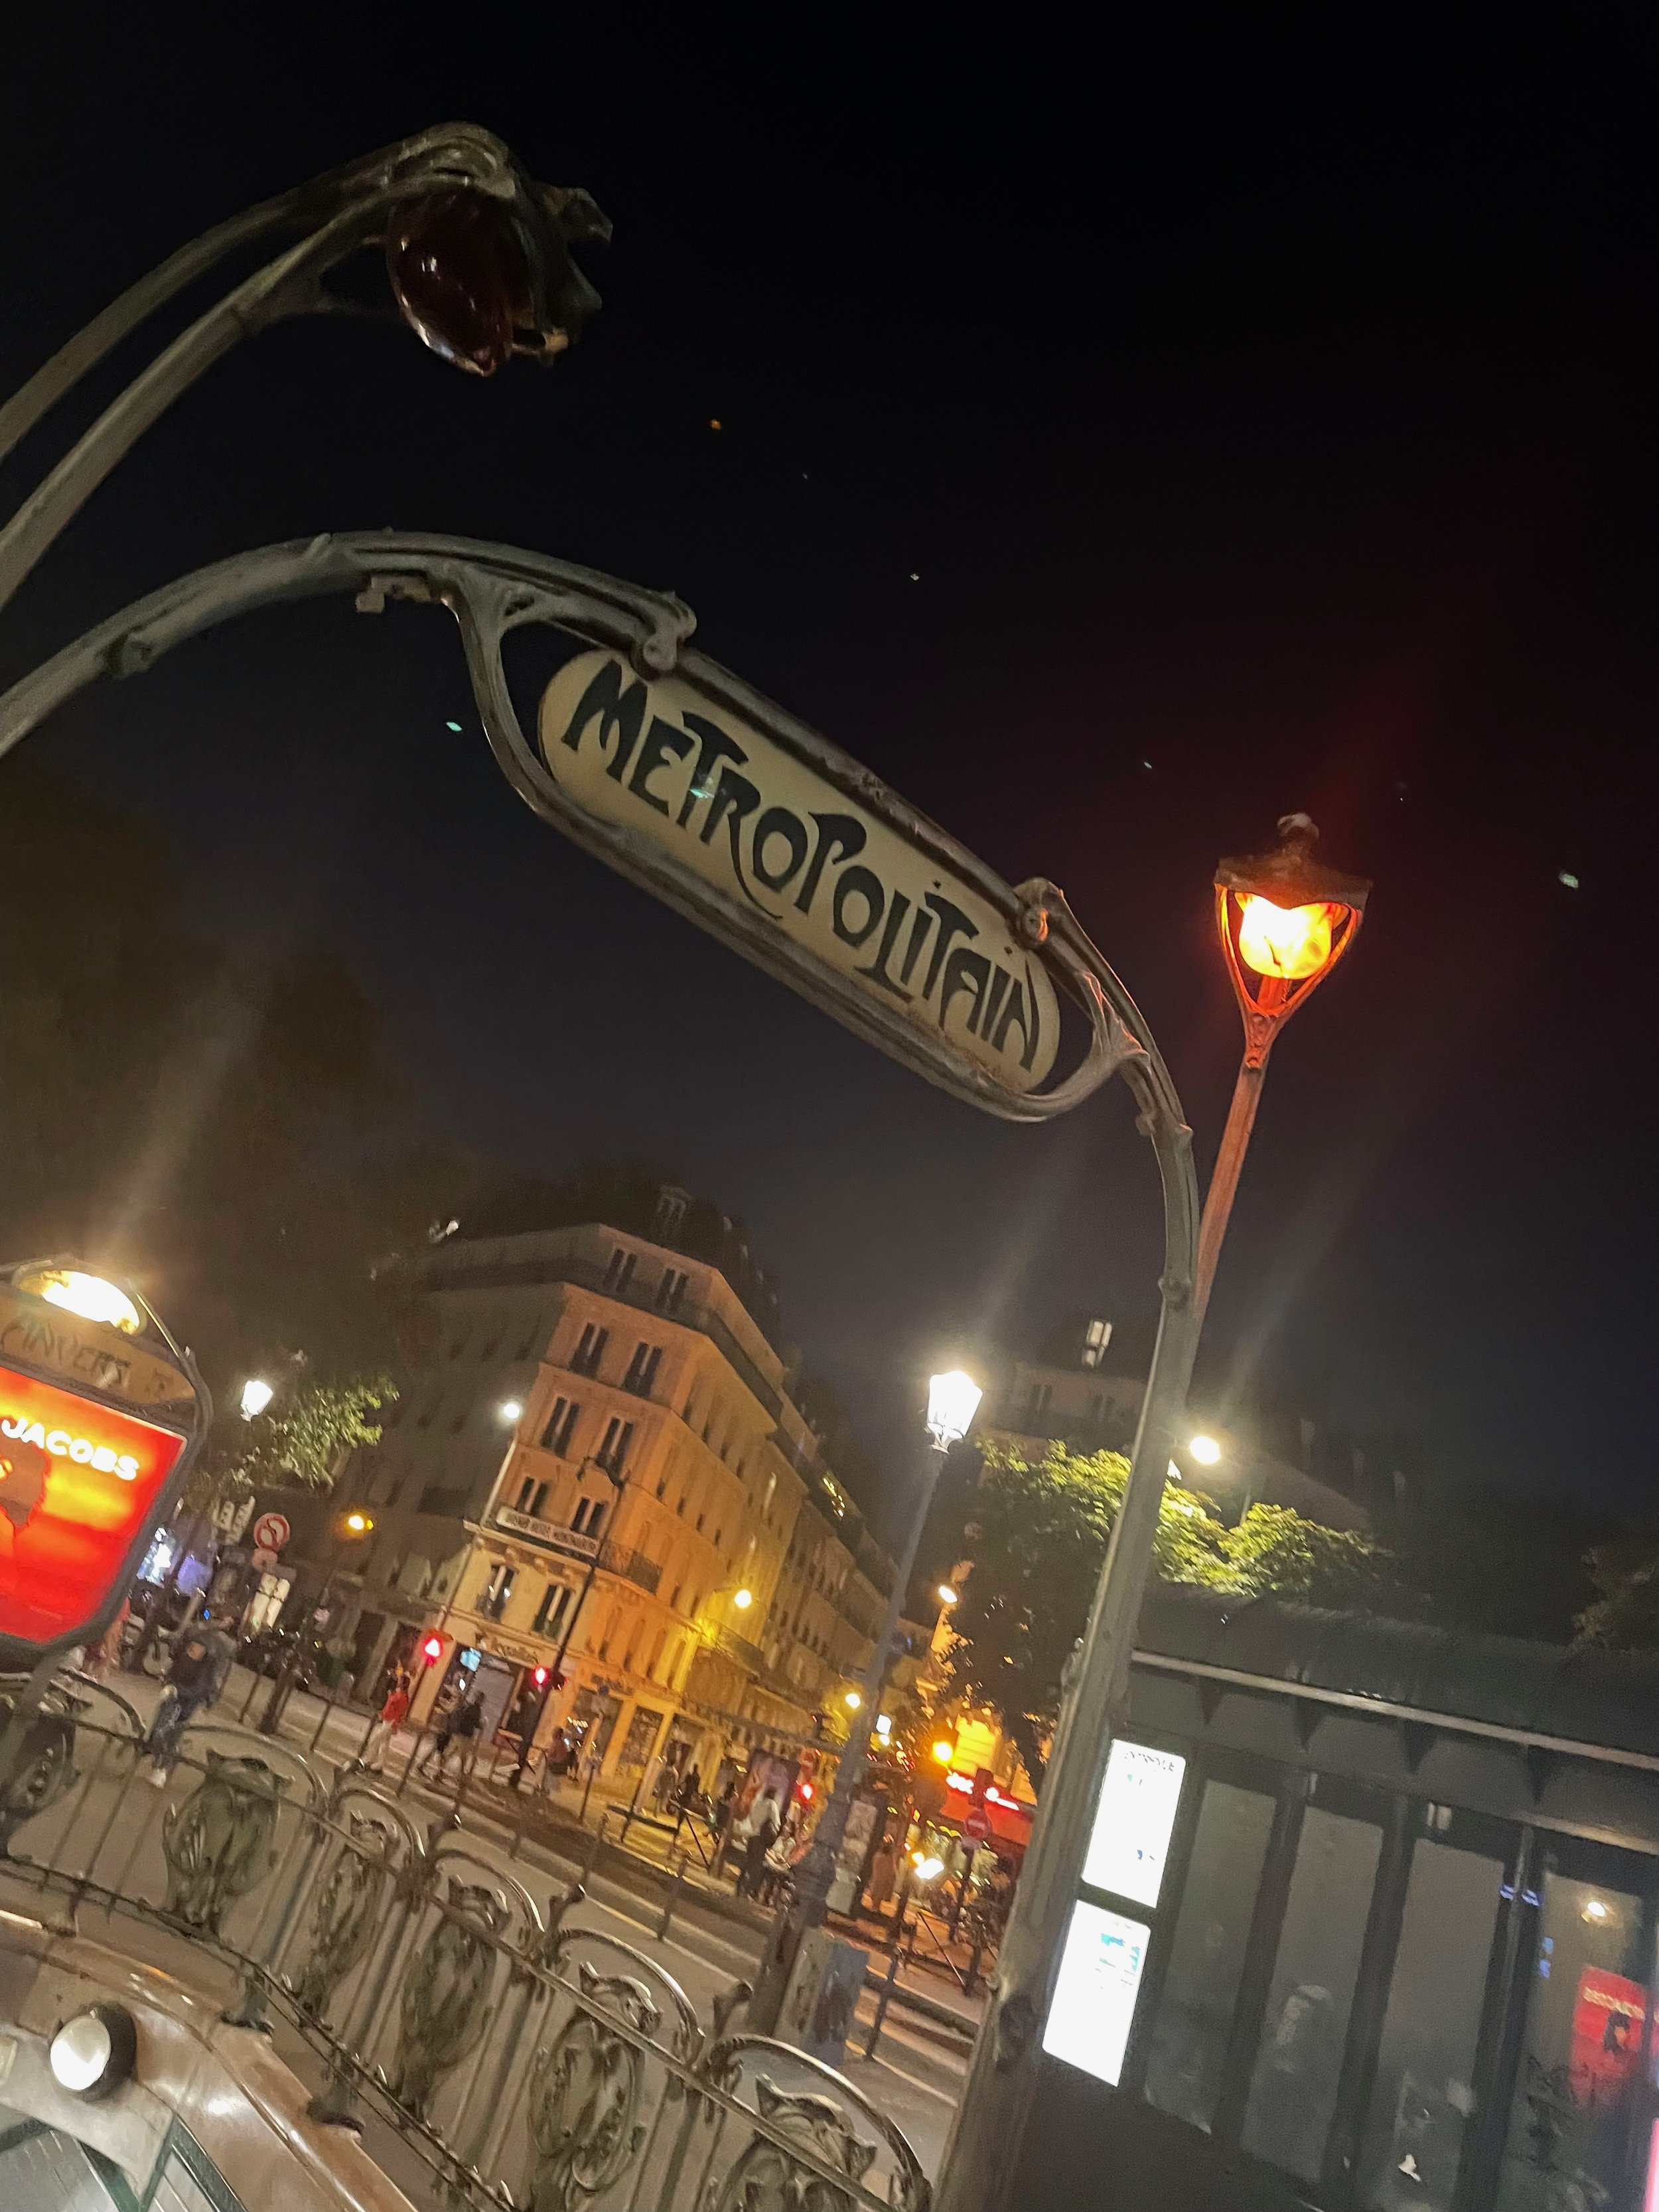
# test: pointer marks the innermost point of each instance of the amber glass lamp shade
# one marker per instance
(1284, 920)
(460, 275)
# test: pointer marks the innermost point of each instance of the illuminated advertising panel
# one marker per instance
(1094, 2005)
(1132, 1822)
(79, 1483)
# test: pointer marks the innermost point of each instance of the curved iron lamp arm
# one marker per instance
(336, 213)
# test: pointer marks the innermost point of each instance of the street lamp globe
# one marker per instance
(947, 1595)
(952, 1402)
(510, 1409)
(78, 1291)
(1205, 1449)
(1285, 920)
(743, 1599)
(852, 1701)
(256, 1394)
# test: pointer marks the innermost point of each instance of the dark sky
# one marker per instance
(1267, 419)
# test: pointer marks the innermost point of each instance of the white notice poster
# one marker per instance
(1136, 1812)
(1095, 1997)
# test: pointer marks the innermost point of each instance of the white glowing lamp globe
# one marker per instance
(92, 1296)
(952, 1402)
(256, 1394)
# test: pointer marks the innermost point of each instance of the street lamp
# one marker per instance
(1285, 921)
(952, 1402)
(1205, 1449)
(256, 1394)
(479, 261)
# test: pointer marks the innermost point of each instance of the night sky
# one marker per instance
(1121, 444)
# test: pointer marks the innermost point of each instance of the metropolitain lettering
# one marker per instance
(749, 817)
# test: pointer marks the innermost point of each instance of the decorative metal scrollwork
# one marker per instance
(44, 1764)
(218, 1842)
(445, 2008)
(585, 2095)
(765, 2179)
(347, 1910)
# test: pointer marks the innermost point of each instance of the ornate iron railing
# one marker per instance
(525, 2059)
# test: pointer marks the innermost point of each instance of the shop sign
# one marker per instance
(79, 1489)
(87, 1355)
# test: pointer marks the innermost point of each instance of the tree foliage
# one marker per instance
(219, 1121)
(1034, 1545)
(1626, 1613)
(302, 1437)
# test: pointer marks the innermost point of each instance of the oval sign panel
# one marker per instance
(760, 826)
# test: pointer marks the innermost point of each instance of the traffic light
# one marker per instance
(433, 1650)
(538, 1676)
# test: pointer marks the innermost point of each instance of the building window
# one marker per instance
(590, 1512)
(613, 1451)
(619, 1272)
(458, 1343)
(672, 1203)
(556, 1437)
(497, 1592)
(538, 1503)
(526, 1491)
(1095, 1338)
(643, 1369)
(1036, 1403)
(535, 1335)
(550, 1612)
(591, 1349)
(671, 1290)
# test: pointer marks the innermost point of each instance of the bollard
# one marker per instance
(882, 2002)
(672, 1900)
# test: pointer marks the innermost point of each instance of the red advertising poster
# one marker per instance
(78, 1482)
(1607, 2035)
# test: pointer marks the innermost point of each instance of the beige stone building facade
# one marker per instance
(603, 1460)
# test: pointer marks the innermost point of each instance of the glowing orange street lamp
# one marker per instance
(1285, 921)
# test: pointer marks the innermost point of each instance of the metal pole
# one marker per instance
(809, 1902)
(983, 2151)
(1223, 1180)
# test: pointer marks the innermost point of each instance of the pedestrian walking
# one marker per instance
(461, 1728)
(757, 1833)
(190, 1686)
(883, 1877)
(394, 1712)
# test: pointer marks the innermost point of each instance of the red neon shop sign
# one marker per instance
(78, 1483)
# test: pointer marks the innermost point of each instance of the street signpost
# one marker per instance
(674, 773)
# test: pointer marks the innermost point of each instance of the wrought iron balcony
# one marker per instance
(429, 1988)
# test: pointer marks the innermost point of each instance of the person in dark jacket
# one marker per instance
(191, 1685)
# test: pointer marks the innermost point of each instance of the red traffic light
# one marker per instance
(803, 1791)
(538, 1676)
(432, 1648)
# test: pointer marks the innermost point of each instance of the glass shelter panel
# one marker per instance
(1422, 2095)
(1306, 2026)
(1189, 2045)
(1577, 2087)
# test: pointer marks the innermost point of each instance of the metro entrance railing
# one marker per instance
(523, 2059)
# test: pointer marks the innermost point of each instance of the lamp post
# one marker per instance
(478, 263)
(952, 1402)
(1285, 920)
